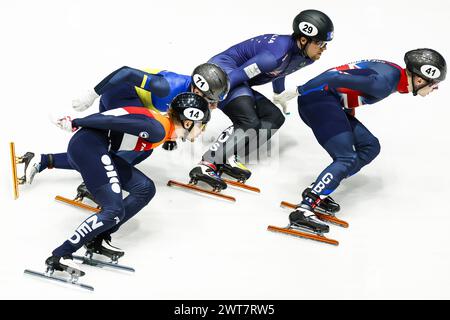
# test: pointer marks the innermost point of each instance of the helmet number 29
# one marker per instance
(308, 29)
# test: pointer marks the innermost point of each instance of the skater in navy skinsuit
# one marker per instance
(327, 105)
(263, 59)
(92, 151)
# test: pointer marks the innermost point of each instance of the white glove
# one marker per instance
(283, 98)
(85, 101)
(65, 124)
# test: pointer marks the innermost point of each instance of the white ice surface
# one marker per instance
(186, 246)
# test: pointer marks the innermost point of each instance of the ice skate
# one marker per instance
(305, 219)
(324, 217)
(235, 169)
(303, 223)
(103, 248)
(30, 168)
(82, 192)
(66, 266)
(327, 205)
(207, 173)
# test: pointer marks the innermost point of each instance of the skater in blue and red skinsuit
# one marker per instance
(263, 59)
(327, 105)
(92, 151)
(151, 89)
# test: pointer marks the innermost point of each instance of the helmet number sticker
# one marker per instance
(308, 29)
(193, 114)
(430, 71)
(201, 83)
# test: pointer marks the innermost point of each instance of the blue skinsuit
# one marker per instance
(256, 61)
(326, 105)
(92, 151)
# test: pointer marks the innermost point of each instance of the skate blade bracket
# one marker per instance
(14, 162)
(321, 216)
(194, 187)
(289, 230)
(50, 276)
(77, 203)
(100, 264)
(241, 185)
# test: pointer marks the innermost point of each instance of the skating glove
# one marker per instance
(169, 145)
(65, 124)
(283, 98)
(85, 101)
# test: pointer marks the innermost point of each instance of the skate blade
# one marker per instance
(52, 277)
(292, 232)
(77, 203)
(321, 216)
(100, 264)
(14, 161)
(241, 185)
(201, 190)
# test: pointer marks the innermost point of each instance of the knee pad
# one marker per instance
(370, 151)
(349, 161)
(145, 191)
(150, 191)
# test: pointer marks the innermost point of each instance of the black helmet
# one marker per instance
(313, 24)
(427, 64)
(190, 106)
(212, 81)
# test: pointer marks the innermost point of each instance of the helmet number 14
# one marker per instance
(194, 114)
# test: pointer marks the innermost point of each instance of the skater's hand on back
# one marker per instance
(283, 98)
(84, 101)
(65, 124)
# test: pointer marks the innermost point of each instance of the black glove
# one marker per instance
(169, 145)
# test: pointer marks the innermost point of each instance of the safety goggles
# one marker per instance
(433, 84)
(320, 43)
(200, 125)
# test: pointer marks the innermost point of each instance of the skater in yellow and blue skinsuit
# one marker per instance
(152, 89)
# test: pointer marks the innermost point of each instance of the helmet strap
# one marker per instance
(416, 89)
(190, 127)
(303, 47)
